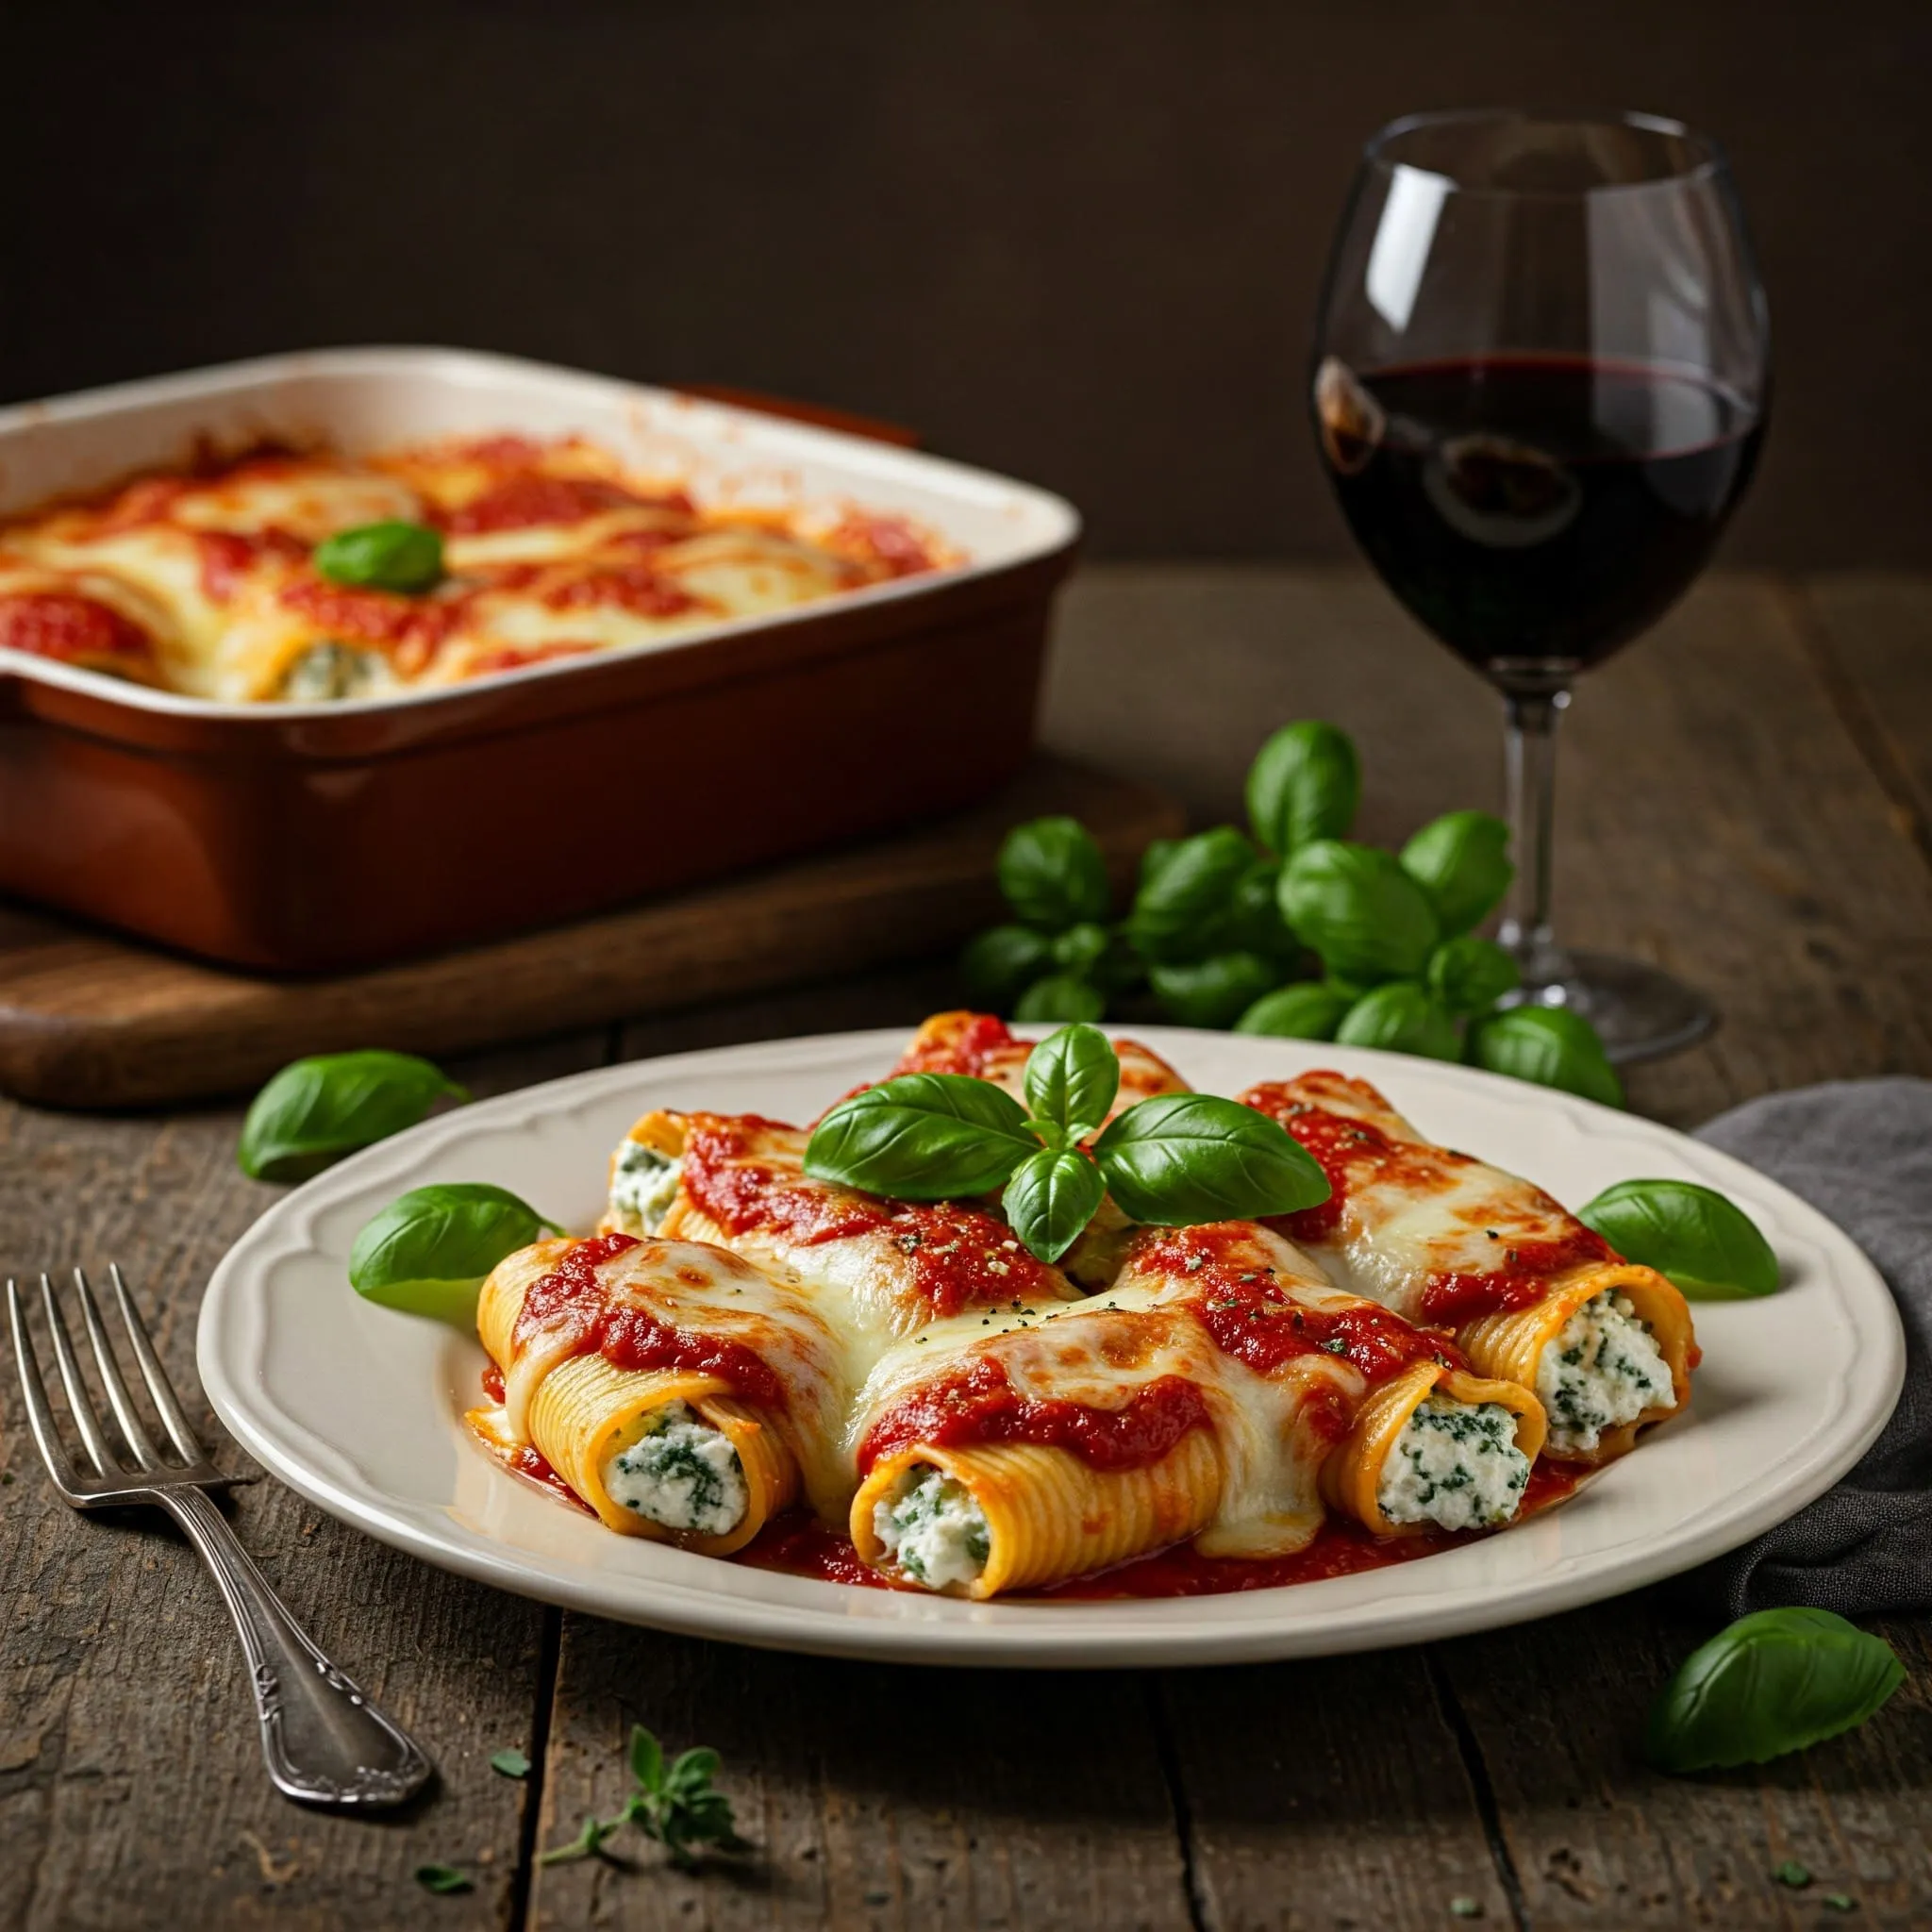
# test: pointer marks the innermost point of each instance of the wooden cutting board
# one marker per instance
(88, 1020)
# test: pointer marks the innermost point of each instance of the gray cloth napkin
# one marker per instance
(1860, 1151)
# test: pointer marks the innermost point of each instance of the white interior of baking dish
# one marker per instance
(358, 400)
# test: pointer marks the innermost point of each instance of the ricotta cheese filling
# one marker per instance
(1454, 1464)
(932, 1528)
(682, 1473)
(331, 670)
(643, 1184)
(1604, 1370)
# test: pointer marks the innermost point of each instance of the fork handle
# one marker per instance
(323, 1740)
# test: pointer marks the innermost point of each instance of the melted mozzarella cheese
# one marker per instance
(1426, 1210)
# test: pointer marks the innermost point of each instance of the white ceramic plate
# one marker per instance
(360, 1409)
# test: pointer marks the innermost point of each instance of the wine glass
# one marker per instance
(1541, 375)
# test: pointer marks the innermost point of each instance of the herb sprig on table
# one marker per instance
(674, 1802)
(1288, 929)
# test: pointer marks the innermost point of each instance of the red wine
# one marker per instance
(1535, 512)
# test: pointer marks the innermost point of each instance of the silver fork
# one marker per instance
(323, 1740)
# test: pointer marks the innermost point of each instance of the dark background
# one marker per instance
(1079, 243)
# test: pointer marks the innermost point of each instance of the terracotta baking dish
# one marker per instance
(305, 837)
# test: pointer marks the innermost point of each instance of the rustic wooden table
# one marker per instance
(1746, 800)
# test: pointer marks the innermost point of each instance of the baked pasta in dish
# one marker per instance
(214, 582)
(747, 1360)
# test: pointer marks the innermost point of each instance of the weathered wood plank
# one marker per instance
(131, 1788)
(1874, 630)
(1327, 1794)
(880, 1797)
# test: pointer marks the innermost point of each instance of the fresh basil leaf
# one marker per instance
(1775, 1681)
(1182, 907)
(428, 1251)
(1469, 975)
(443, 1880)
(1119, 969)
(1705, 1243)
(1304, 784)
(1002, 963)
(1053, 874)
(1253, 922)
(1179, 1159)
(382, 557)
(1063, 997)
(1051, 1197)
(1550, 1045)
(1157, 854)
(1359, 909)
(1461, 860)
(1306, 1010)
(1401, 1017)
(1215, 991)
(922, 1137)
(646, 1758)
(1080, 948)
(511, 1763)
(1072, 1076)
(316, 1111)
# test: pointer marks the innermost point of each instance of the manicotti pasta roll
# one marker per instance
(1220, 1391)
(1531, 1295)
(678, 1390)
(876, 1269)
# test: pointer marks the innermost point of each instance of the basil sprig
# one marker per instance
(1306, 783)
(1705, 1243)
(1774, 1682)
(316, 1111)
(1173, 1160)
(383, 557)
(1550, 1045)
(1461, 860)
(1286, 928)
(428, 1251)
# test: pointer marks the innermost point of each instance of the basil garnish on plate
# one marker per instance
(1706, 1245)
(1774, 1682)
(382, 557)
(1174, 1159)
(428, 1251)
(316, 1111)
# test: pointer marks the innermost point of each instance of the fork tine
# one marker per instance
(78, 1401)
(161, 1390)
(39, 1414)
(133, 1425)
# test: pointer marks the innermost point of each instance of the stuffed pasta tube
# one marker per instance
(1531, 1295)
(876, 1269)
(1222, 1391)
(678, 1389)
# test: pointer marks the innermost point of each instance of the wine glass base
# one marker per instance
(1639, 1011)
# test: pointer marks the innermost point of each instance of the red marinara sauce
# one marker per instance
(1338, 1144)
(1253, 1317)
(1524, 1278)
(523, 502)
(959, 1256)
(227, 556)
(633, 1338)
(633, 587)
(71, 629)
(412, 627)
(977, 1404)
(969, 1050)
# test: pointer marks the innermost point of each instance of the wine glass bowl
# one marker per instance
(1539, 384)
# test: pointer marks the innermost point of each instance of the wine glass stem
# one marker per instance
(1529, 764)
